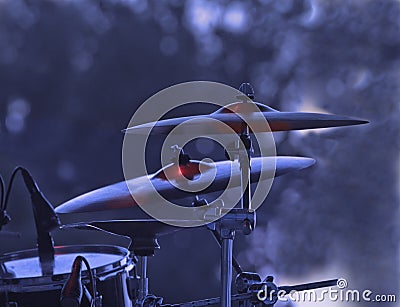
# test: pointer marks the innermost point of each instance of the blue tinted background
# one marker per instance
(72, 74)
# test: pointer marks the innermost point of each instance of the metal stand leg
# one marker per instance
(224, 230)
(143, 281)
(226, 267)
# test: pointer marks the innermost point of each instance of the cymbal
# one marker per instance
(235, 115)
(118, 198)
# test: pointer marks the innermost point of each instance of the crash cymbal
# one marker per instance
(235, 115)
(117, 197)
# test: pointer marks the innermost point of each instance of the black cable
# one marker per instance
(91, 277)
(2, 188)
(7, 195)
(4, 217)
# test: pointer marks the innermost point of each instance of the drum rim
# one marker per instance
(33, 252)
(28, 284)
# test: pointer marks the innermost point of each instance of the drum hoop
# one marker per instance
(43, 283)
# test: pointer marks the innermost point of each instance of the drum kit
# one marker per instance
(115, 276)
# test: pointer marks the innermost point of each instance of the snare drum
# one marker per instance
(22, 282)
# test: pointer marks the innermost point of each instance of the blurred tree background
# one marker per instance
(72, 73)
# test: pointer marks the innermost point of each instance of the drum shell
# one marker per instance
(111, 277)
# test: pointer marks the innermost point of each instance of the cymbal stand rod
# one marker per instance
(245, 149)
(143, 281)
(235, 263)
(235, 219)
(226, 228)
(244, 162)
(227, 236)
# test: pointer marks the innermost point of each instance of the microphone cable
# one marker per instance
(5, 197)
(71, 293)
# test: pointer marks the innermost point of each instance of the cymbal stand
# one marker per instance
(238, 219)
(143, 281)
(138, 286)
